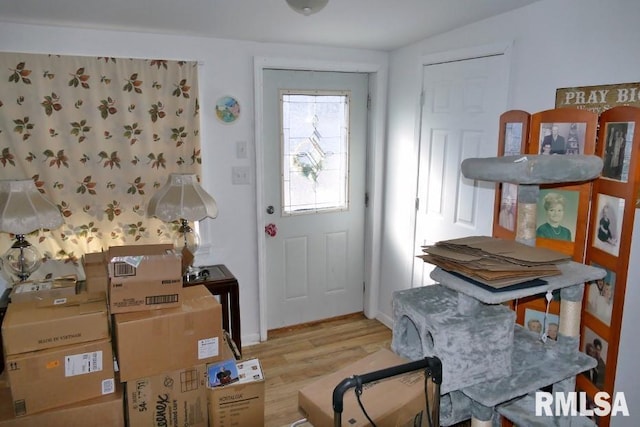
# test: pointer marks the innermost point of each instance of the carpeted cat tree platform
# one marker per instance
(492, 366)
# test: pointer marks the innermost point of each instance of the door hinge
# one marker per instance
(363, 287)
(417, 203)
(422, 99)
(368, 102)
(366, 199)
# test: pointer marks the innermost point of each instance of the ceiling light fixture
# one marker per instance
(307, 7)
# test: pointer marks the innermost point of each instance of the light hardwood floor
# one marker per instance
(294, 357)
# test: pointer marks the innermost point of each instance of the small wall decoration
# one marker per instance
(599, 98)
(227, 109)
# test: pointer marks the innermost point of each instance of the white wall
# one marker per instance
(227, 69)
(555, 44)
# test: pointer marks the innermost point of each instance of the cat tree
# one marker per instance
(491, 365)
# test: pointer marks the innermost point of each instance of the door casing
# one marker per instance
(374, 167)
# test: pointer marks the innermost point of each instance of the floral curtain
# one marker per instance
(98, 136)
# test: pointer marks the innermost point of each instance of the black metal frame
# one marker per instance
(431, 365)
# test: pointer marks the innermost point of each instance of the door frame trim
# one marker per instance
(494, 49)
(376, 129)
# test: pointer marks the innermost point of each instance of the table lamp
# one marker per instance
(23, 209)
(182, 198)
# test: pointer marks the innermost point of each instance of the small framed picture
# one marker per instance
(508, 203)
(595, 346)
(617, 150)
(562, 138)
(600, 296)
(537, 321)
(513, 141)
(608, 223)
(557, 214)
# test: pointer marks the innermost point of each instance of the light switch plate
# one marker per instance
(240, 175)
(241, 150)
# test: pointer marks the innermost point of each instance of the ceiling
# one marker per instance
(366, 24)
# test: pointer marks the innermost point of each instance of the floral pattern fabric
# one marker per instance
(98, 136)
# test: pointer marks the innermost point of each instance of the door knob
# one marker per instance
(270, 210)
(271, 230)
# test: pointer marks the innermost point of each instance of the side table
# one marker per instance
(4, 303)
(220, 281)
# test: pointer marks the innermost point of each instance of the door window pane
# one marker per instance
(315, 150)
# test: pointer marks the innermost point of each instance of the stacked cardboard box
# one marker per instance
(165, 335)
(57, 352)
(240, 400)
(106, 410)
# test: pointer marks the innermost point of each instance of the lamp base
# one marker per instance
(22, 258)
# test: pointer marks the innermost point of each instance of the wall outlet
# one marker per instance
(240, 175)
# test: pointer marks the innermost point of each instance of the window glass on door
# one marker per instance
(315, 151)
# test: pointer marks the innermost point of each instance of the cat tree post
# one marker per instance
(529, 172)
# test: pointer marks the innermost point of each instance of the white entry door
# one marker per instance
(314, 193)
(462, 104)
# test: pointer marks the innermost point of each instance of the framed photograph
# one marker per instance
(575, 130)
(563, 131)
(596, 347)
(512, 141)
(537, 321)
(617, 150)
(608, 223)
(600, 296)
(562, 138)
(508, 205)
(557, 214)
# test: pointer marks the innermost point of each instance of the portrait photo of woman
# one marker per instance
(608, 223)
(557, 214)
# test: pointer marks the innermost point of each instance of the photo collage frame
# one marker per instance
(614, 201)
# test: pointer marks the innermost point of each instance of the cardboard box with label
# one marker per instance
(152, 342)
(106, 410)
(46, 379)
(43, 289)
(396, 401)
(144, 277)
(242, 402)
(173, 399)
(38, 325)
(96, 275)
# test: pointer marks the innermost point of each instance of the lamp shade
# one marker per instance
(23, 209)
(182, 198)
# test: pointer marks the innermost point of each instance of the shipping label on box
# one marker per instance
(240, 403)
(54, 377)
(37, 325)
(144, 277)
(152, 342)
(397, 401)
(173, 399)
